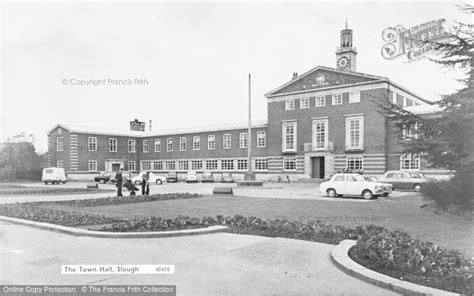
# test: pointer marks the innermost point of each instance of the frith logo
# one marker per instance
(414, 42)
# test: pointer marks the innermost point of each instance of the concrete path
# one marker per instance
(213, 264)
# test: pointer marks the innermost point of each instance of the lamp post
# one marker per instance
(250, 176)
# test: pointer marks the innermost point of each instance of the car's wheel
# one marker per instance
(385, 194)
(45, 183)
(158, 182)
(367, 194)
(417, 187)
(331, 192)
(64, 182)
(137, 182)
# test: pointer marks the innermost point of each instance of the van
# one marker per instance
(53, 176)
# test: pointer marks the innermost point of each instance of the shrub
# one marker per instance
(457, 191)
(399, 255)
(115, 200)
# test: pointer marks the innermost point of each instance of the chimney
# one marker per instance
(149, 126)
(137, 125)
(295, 75)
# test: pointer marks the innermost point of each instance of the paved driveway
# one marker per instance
(214, 264)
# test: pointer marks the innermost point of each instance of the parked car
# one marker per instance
(137, 180)
(351, 185)
(172, 177)
(53, 176)
(105, 177)
(227, 178)
(207, 177)
(113, 180)
(388, 188)
(405, 180)
(191, 177)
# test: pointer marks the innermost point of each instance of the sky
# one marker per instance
(186, 64)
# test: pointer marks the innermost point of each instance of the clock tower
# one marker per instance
(346, 54)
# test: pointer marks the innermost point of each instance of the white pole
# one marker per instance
(249, 135)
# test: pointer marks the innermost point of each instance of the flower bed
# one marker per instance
(41, 190)
(398, 255)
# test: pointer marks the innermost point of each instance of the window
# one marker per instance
(304, 103)
(211, 165)
(243, 140)
(211, 142)
(261, 139)
(320, 134)
(409, 162)
(339, 178)
(183, 165)
(354, 162)
(261, 164)
(226, 141)
(289, 163)
(92, 143)
(410, 132)
(157, 145)
(355, 132)
(354, 97)
(242, 164)
(146, 146)
(60, 164)
(196, 165)
(60, 144)
(112, 145)
(92, 165)
(169, 144)
(131, 146)
(320, 101)
(182, 144)
(337, 99)
(227, 164)
(170, 165)
(394, 98)
(146, 165)
(131, 166)
(289, 136)
(289, 104)
(157, 165)
(196, 143)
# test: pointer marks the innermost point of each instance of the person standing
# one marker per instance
(146, 183)
(119, 183)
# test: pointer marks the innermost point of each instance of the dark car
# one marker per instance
(172, 177)
(105, 177)
(405, 180)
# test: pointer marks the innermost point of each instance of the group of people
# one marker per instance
(130, 186)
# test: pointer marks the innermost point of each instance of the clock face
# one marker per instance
(343, 63)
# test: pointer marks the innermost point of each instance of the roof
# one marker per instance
(424, 109)
(127, 133)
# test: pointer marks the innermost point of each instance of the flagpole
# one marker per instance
(249, 135)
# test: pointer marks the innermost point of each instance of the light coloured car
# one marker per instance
(388, 188)
(227, 178)
(207, 177)
(405, 180)
(191, 177)
(53, 176)
(137, 180)
(351, 185)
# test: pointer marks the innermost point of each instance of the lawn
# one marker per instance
(402, 213)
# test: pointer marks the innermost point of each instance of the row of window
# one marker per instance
(354, 134)
(320, 101)
(211, 143)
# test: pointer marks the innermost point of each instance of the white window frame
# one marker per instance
(285, 145)
(287, 164)
(260, 164)
(60, 164)
(183, 165)
(59, 144)
(410, 133)
(227, 164)
(157, 165)
(146, 146)
(242, 164)
(212, 165)
(414, 162)
(290, 104)
(132, 145)
(196, 143)
(317, 144)
(92, 143)
(354, 97)
(169, 144)
(92, 165)
(304, 103)
(170, 165)
(145, 165)
(226, 143)
(113, 143)
(132, 166)
(394, 98)
(351, 159)
(337, 99)
(196, 165)
(320, 101)
(211, 142)
(243, 140)
(157, 145)
(182, 143)
(261, 139)
(360, 144)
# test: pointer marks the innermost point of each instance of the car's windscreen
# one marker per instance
(416, 175)
(48, 171)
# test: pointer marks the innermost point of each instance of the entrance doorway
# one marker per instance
(115, 167)
(317, 167)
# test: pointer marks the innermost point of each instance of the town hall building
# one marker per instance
(324, 120)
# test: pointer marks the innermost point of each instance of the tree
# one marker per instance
(20, 160)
